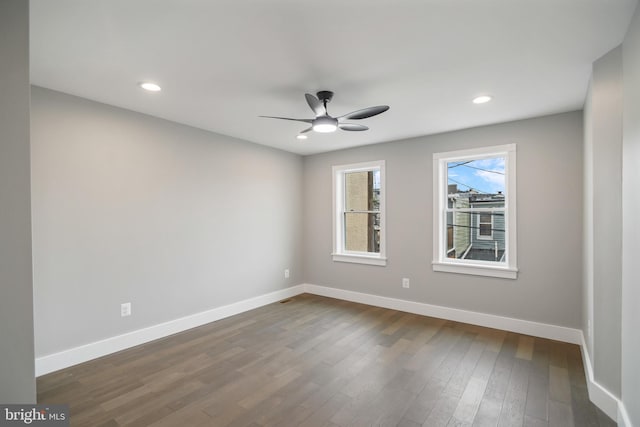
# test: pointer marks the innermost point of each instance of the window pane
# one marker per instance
(362, 191)
(476, 177)
(475, 235)
(362, 232)
(463, 243)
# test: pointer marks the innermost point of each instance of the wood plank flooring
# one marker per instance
(316, 361)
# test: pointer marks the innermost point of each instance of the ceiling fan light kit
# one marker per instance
(151, 87)
(324, 123)
(482, 99)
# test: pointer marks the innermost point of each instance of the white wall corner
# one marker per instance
(84, 353)
(600, 396)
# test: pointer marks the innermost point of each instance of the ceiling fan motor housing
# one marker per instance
(325, 95)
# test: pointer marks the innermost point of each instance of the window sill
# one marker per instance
(476, 270)
(360, 259)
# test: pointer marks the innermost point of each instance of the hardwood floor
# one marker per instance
(316, 361)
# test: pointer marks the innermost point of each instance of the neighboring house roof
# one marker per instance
(475, 197)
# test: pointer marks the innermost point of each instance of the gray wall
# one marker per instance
(549, 185)
(612, 228)
(603, 218)
(131, 208)
(17, 380)
(631, 222)
(587, 222)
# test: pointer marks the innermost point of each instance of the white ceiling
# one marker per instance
(223, 63)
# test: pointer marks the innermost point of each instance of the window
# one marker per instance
(358, 223)
(485, 226)
(475, 211)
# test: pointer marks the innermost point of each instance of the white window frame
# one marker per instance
(507, 269)
(340, 254)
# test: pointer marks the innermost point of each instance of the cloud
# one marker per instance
(494, 181)
(494, 164)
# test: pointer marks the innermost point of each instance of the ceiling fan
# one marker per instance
(324, 123)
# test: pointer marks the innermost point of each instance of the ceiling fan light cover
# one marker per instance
(482, 99)
(151, 87)
(325, 124)
(325, 128)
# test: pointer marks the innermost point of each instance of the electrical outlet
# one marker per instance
(286, 273)
(588, 328)
(405, 282)
(125, 309)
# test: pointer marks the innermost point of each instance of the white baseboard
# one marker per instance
(600, 396)
(84, 353)
(64, 359)
(623, 416)
(542, 330)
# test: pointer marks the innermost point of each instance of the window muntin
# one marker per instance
(474, 211)
(359, 213)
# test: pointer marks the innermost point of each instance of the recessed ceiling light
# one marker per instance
(481, 99)
(151, 87)
(301, 136)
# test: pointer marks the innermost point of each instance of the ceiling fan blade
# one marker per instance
(287, 118)
(307, 130)
(315, 104)
(351, 126)
(365, 112)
